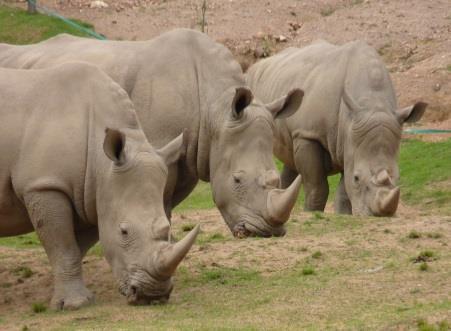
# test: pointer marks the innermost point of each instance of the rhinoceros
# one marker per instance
(73, 159)
(184, 80)
(348, 123)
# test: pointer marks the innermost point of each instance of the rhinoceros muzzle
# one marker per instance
(257, 228)
(136, 296)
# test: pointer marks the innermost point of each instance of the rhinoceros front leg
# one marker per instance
(342, 202)
(52, 216)
(310, 163)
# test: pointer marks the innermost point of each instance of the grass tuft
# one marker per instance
(414, 235)
(424, 266)
(187, 227)
(317, 255)
(23, 272)
(38, 307)
(308, 271)
(425, 256)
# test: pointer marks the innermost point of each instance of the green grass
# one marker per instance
(424, 170)
(19, 27)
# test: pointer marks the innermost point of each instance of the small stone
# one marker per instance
(437, 87)
(98, 4)
(259, 52)
(281, 39)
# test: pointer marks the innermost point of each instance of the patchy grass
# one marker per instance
(29, 240)
(367, 282)
(19, 27)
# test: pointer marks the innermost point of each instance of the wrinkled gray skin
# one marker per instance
(65, 176)
(183, 79)
(348, 122)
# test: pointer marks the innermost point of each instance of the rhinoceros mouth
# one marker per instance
(256, 228)
(148, 292)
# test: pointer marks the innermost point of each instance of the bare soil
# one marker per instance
(413, 36)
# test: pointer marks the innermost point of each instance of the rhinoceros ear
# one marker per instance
(114, 146)
(175, 149)
(286, 105)
(412, 113)
(243, 98)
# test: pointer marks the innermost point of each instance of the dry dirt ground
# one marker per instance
(413, 36)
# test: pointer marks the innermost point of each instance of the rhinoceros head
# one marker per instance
(244, 178)
(370, 161)
(133, 227)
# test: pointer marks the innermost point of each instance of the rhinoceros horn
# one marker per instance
(388, 203)
(281, 202)
(170, 257)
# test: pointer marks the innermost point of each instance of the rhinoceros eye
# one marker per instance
(123, 229)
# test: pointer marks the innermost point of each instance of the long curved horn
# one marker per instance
(170, 257)
(281, 202)
(389, 203)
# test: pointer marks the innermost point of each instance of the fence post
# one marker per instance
(32, 6)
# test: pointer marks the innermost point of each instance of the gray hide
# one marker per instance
(184, 80)
(348, 123)
(73, 159)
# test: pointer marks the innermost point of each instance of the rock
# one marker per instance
(98, 4)
(281, 39)
(259, 52)
(437, 87)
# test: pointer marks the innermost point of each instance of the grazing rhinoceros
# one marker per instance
(183, 79)
(348, 123)
(73, 159)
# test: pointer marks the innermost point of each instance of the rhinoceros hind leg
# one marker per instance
(288, 176)
(310, 162)
(342, 203)
(52, 217)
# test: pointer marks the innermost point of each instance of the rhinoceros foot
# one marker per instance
(71, 296)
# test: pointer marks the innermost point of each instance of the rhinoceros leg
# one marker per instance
(309, 159)
(288, 176)
(52, 216)
(87, 238)
(342, 203)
